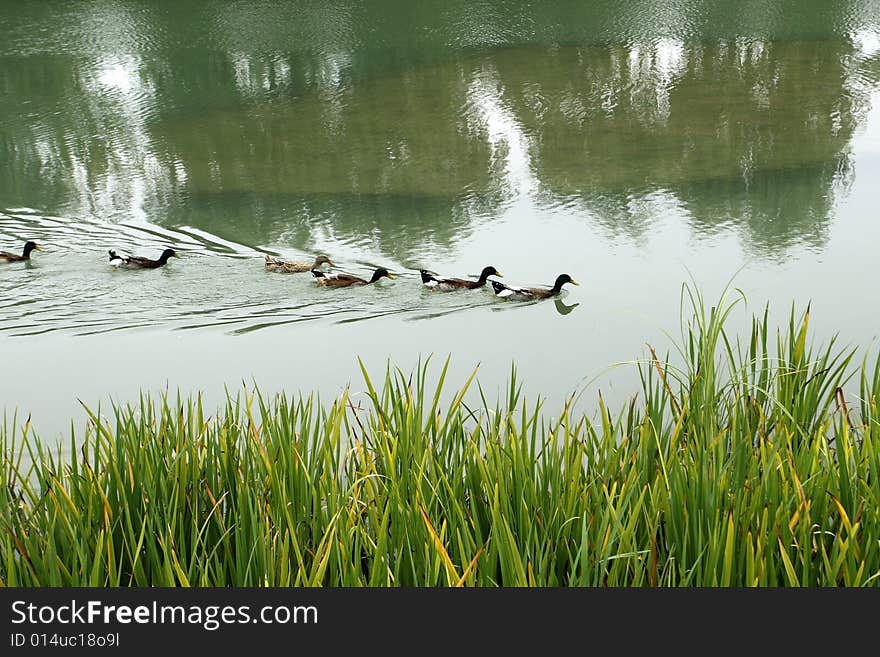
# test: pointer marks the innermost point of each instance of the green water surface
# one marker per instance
(633, 145)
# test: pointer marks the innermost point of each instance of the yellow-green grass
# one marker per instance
(742, 465)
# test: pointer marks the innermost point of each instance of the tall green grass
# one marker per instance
(738, 463)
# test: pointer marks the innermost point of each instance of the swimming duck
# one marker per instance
(139, 262)
(29, 246)
(525, 293)
(348, 280)
(294, 267)
(438, 282)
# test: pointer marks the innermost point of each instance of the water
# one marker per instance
(635, 146)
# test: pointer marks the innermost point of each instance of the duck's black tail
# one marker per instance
(498, 286)
(317, 274)
(426, 276)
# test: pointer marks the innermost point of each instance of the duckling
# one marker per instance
(140, 262)
(29, 246)
(526, 293)
(348, 280)
(438, 282)
(295, 267)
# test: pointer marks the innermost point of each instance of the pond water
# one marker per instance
(633, 145)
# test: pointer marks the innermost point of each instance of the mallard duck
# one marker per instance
(294, 267)
(139, 262)
(440, 283)
(29, 246)
(347, 280)
(525, 293)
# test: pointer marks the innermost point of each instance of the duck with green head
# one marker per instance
(6, 256)
(140, 262)
(349, 280)
(434, 282)
(527, 293)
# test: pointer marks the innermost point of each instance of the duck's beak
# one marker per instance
(499, 274)
(38, 247)
(392, 276)
(574, 282)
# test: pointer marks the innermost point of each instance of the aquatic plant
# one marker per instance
(738, 463)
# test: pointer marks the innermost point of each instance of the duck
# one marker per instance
(6, 256)
(140, 262)
(431, 280)
(295, 267)
(526, 293)
(349, 280)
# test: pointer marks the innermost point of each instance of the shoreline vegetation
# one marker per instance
(742, 464)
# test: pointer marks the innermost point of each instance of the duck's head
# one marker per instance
(562, 279)
(31, 246)
(168, 253)
(381, 272)
(490, 271)
(321, 260)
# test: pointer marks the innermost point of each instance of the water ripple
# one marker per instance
(216, 284)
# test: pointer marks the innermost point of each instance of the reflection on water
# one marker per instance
(734, 132)
(71, 287)
(562, 308)
(347, 122)
(624, 142)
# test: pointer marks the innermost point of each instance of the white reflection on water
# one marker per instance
(654, 67)
(136, 177)
(503, 131)
(866, 42)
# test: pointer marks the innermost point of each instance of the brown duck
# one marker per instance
(526, 293)
(348, 280)
(431, 280)
(140, 262)
(6, 256)
(294, 266)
